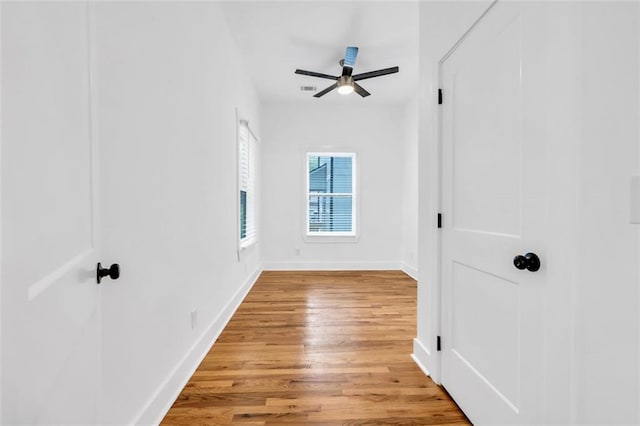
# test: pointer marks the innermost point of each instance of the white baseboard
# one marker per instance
(159, 404)
(332, 266)
(421, 356)
(410, 270)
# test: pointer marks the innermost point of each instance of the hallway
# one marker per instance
(325, 347)
(164, 162)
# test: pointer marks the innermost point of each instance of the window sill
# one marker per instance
(330, 238)
(244, 245)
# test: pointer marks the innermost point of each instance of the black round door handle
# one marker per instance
(529, 261)
(113, 272)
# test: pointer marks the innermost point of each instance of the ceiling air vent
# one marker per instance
(308, 88)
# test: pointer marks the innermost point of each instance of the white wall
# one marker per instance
(607, 280)
(169, 81)
(410, 194)
(377, 136)
(591, 122)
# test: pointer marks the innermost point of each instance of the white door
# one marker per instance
(493, 204)
(50, 309)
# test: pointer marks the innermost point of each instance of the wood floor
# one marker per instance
(317, 348)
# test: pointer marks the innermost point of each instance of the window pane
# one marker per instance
(318, 178)
(243, 214)
(330, 213)
(330, 174)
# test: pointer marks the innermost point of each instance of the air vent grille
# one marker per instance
(308, 88)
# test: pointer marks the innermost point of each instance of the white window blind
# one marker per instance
(331, 190)
(247, 184)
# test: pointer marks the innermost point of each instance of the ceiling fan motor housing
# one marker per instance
(345, 80)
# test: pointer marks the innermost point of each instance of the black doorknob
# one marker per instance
(529, 261)
(113, 272)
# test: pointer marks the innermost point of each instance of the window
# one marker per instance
(247, 184)
(331, 188)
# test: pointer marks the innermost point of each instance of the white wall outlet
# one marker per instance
(297, 251)
(635, 199)
(194, 319)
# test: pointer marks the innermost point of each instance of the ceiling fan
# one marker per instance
(346, 83)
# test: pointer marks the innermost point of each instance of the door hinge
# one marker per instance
(439, 220)
(438, 347)
(439, 96)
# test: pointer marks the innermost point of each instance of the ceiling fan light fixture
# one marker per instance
(345, 85)
(347, 89)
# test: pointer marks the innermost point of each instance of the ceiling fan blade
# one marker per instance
(316, 74)
(377, 73)
(325, 91)
(360, 90)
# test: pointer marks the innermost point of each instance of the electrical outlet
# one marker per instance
(297, 251)
(194, 319)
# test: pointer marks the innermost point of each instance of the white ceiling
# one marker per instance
(276, 37)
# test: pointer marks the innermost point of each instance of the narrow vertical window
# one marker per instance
(247, 184)
(331, 194)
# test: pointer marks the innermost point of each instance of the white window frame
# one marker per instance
(251, 200)
(338, 236)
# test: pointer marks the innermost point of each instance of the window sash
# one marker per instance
(246, 185)
(321, 216)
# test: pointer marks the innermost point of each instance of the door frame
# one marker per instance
(1, 269)
(436, 316)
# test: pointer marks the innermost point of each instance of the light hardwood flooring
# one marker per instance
(317, 348)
